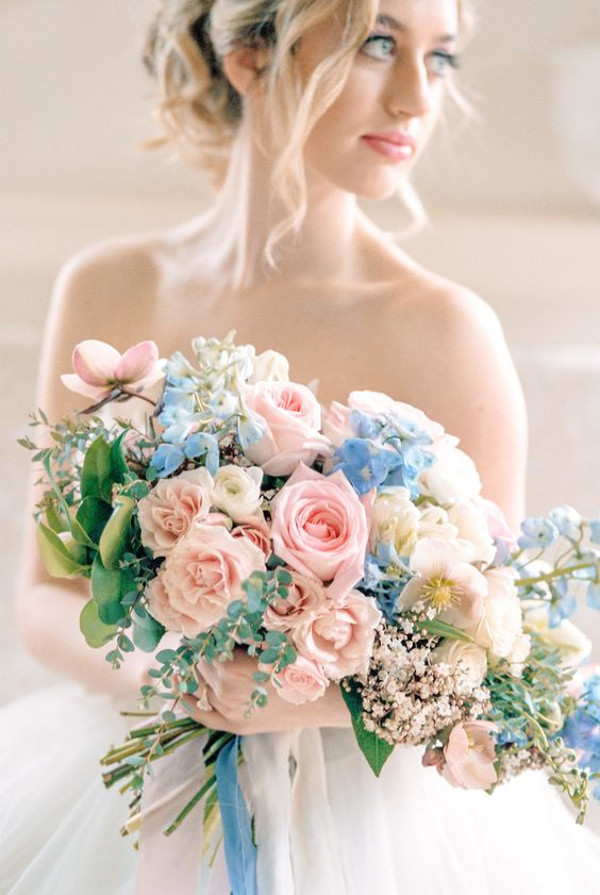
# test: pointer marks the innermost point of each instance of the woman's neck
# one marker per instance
(237, 226)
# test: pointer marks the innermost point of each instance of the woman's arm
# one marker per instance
(48, 609)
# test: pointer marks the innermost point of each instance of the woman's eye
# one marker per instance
(439, 62)
(379, 46)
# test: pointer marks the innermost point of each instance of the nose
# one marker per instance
(409, 91)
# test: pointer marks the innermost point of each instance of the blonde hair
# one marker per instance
(201, 112)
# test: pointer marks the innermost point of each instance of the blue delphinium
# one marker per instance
(563, 603)
(567, 521)
(595, 531)
(581, 730)
(537, 532)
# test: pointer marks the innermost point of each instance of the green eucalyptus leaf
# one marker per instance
(375, 750)
(91, 517)
(97, 473)
(108, 586)
(58, 559)
(147, 632)
(115, 535)
(94, 630)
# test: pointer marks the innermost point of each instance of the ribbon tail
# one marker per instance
(240, 850)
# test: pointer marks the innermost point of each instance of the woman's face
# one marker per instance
(368, 140)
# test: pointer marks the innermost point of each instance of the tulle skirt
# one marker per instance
(329, 828)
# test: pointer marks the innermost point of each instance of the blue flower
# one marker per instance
(595, 531)
(364, 464)
(365, 425)
(562, 605)
(537, 532)
(567, 521)
(202, 444)
(250, 431)
(167, 458)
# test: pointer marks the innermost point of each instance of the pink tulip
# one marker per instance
(99, 368)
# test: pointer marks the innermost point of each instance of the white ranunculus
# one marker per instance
(475, 543)
(502, 620)
(470, 655)
(453, 476)
(394, 519)
(237, 491)
(434, 523)
(271, 366)
(567, 637)
(520, 651)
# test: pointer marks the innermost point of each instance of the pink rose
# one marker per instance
(336, 423)
(469, 756)
(302, 681)
(257, 532)
(204, 572)
(167, 512)
(340, 636)
(160, 607)
(319, 527)
(290, 417)
(306, 597)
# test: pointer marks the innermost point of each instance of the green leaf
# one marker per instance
(96, 476)
(435, 626)
(55, 520)
(119, 467)
(114, 537)
(375, 750)
(58, 559)
(268, 656)
(94, 630)
(147, 632)
(90, 519)
(107, 588)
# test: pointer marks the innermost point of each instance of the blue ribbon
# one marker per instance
(240, 851)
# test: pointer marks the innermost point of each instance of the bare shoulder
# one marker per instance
(459, 370)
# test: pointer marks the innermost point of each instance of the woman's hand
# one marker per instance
(226, 687)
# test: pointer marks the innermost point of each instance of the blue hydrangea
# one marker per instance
(537, 532)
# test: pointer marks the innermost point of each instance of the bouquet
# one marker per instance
(346, 547)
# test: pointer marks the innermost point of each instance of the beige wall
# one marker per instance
(74, 110)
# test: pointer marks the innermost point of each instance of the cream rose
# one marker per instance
(474, 541)
(290, 418)
(306, 598)
(567, 637)
(340, 636)
(472, 657)
(167, 512)
(319, 527)
(302, 681)
(501, 622)
(204, 573)
(394, 519)
(237, 491)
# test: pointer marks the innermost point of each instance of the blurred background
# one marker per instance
(513, 197)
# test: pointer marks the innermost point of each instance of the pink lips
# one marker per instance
(392, 144)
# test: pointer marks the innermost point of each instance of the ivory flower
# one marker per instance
(237, 491)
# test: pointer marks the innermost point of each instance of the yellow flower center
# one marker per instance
(441, 593)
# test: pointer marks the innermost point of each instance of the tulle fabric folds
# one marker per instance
(324, 825)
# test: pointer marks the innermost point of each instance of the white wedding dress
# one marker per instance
(333, 830)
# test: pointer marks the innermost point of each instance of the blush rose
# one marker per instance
(167, 512)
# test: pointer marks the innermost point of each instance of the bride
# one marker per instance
(297, 107)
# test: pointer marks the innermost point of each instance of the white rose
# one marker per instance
(567, 637)
(502, 619)
(474, 541)
(471, 656)
(237, 491)
(270, 366)
(394, 519)
(453, 476)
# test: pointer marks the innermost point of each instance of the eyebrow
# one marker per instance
(395, 25)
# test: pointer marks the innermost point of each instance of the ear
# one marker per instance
(243, 67)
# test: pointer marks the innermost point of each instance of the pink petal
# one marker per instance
(95, 362)
(75, 384)
(137, 362)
